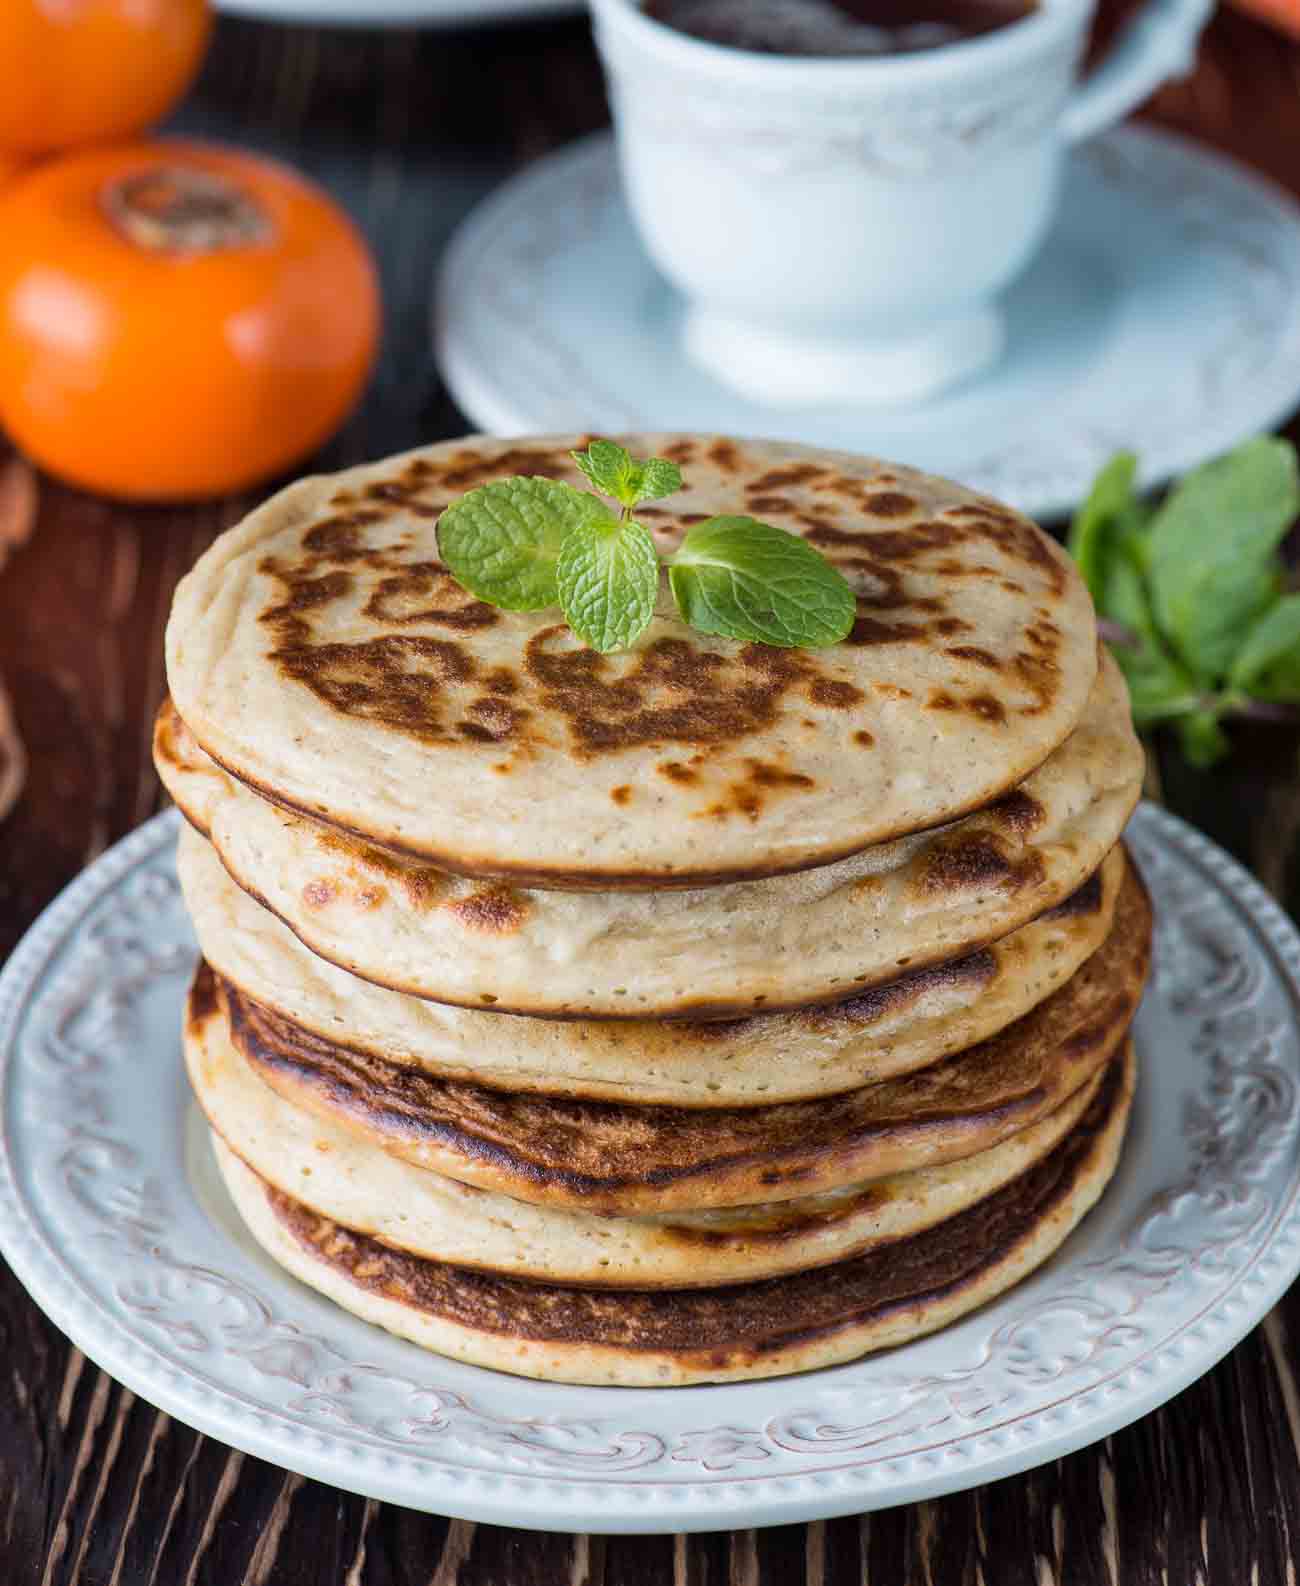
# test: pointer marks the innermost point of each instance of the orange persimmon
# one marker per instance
(84, 71)
(10, 165)
(178, 320)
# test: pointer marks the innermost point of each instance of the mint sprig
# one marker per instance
(503, 540)
(1192, 593)
(749, 580)
(527, 544)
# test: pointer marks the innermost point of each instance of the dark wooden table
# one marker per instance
(97, 1488)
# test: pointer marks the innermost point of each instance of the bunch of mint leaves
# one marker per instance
(528, 544)
(1193, 595)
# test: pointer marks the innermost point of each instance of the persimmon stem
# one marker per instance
(172, 208)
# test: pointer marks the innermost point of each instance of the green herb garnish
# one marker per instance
(1192, 593)
(527, 544)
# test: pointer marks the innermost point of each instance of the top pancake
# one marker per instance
(321, 652)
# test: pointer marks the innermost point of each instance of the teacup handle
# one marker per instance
(1159, 43)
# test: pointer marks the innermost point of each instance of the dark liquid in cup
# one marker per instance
(837, 27)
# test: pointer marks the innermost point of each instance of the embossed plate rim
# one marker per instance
(117, 1341)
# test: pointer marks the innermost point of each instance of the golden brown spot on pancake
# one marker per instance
(981, 705)
(319, 894)
(949, 627)
(670, 692)
(890, 504)
(869, 630)
(1016, 538)
(426, 592)
(833, 694)
(864, 738)
(1018, 812)
(792, 474)
(681, 451)
(1092, 1037)
(761, 503)
(303, 594)
(724, 455)
(746, 796)
(892, 691)
(371, 680)
(404, 493)
(621, 795)
(501, 680)
(1012, 588)
(1086, 899)
(975, 970)
(905, 545)
(1039, 676)
(493, 719)
(333, 540)
(465, 469)
(371, 897)
(202, 1001)
(675, 771)
(986, 708)
(780, 1223)
(972, 861)
(423, 885)
(494, 911)
(973, 653)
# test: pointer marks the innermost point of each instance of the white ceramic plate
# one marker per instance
(1163, 316)
(112, 1214)
(397, 13)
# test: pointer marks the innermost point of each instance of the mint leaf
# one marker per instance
(1204, 741)
(1212, 551)
(611, 469)
(616, 473)
(501, 541)
(1280, 685)
(1110, 502)
(1271, 642)
(1159, 685)
(749, 580)
(608, 579)
(660, 478)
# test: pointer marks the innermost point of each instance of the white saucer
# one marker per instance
(1163, 317)
(397, 13)
(112, 1214)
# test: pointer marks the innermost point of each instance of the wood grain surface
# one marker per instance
(97, 1488)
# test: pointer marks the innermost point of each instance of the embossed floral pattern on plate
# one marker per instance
(112, 1214)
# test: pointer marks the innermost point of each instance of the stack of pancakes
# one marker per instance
(693, 1013)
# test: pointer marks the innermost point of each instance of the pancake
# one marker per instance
(328, 1170)
(787, 941)
(625, 1159)
(320, 651)
(815, 1051)
(644, 1338)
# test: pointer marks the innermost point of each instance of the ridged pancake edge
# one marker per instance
(794, 1056)
(658, 1339)
(436, 1218)
(994, 605)
(623, 1160)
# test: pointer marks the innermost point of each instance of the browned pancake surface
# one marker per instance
(729, 1326)
(618, 1158)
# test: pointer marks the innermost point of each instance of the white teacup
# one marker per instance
(841, 227)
